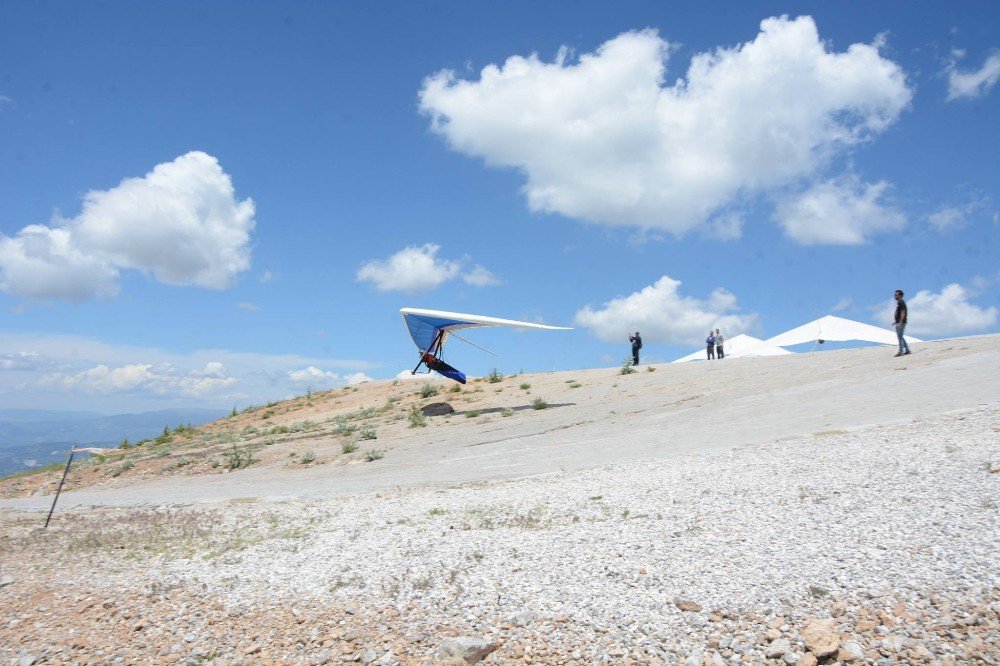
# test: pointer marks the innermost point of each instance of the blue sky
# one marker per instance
(299, 172)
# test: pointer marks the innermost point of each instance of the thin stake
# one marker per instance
(61, 482)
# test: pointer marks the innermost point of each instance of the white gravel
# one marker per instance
(901, 508)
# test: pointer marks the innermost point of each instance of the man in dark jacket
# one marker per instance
(900, 323)
(636, 346)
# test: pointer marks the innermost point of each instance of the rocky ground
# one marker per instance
(874, 546)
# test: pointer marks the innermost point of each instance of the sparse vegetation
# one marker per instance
(575, 385)
(125, 444)
(417, 418)
(524, 386)
(436, 511)
(349, 447)
(233, 413)
(307, 458)
(428, 390)
(539, 403)
(367, 432)
(506, 411)
(343, 428)
(494, 377)
(122, 468)
(455, 388)
(627, 368)
(371, 455)
(472, 413)
(650, 368)
(238, 458)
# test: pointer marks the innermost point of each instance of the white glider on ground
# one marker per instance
(836, 329)
(738, 346)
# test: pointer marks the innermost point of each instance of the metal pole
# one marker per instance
(61, 482)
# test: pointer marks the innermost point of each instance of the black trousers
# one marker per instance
(635, 355)
(719, 352)
(711, 351)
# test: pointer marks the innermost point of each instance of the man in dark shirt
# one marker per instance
(636, 346)
(900, 323)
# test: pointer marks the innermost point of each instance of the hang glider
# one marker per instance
(738, 346)
(430, 329)
(835, 329)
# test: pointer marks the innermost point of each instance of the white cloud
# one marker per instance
(480, 277)
(726, 227)
(23, 361)
(972, 84)
(181, 222)
(946, 313)
(357, 378)
(164, 380)
(843, 211)
(125, 378)
(248, 306)
(417, 268)
(324, 378)
(842, 304)
(660, 313)
(602, 138)
(950, 217)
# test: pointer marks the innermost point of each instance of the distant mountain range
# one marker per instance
(32, 438)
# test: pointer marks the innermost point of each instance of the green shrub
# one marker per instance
(539, 403)
(575, 385)
(238, 458)
(349, 447)
(125, 444)
(343, 428)
(525, 386)
(494, 377)
(121, 469)
(367, 432)
(456, 388)
(307, 457)
(650, 368)
(374, 454)
(417, 418)
(627, 368)
(506, 411)
(428, 390)
(472, 413)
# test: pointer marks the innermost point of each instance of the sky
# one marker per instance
(227, 203)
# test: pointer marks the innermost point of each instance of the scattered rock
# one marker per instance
(437, 409)
(820, 637)
(466, 649)
(808, 659)
(777, 648)
(818, 592)
(6, 580)
(850, 651)
(687, 605)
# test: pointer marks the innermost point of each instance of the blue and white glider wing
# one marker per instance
(426, 325)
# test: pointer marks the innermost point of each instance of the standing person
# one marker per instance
(719, 341)
(710, 341)
(900, 323)
(636, 341)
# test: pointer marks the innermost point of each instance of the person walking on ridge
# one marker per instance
(710, 341)
(636, 341)
(719, 341)
(900, 323)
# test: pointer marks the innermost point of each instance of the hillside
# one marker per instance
(831, 507)
(302, 447)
